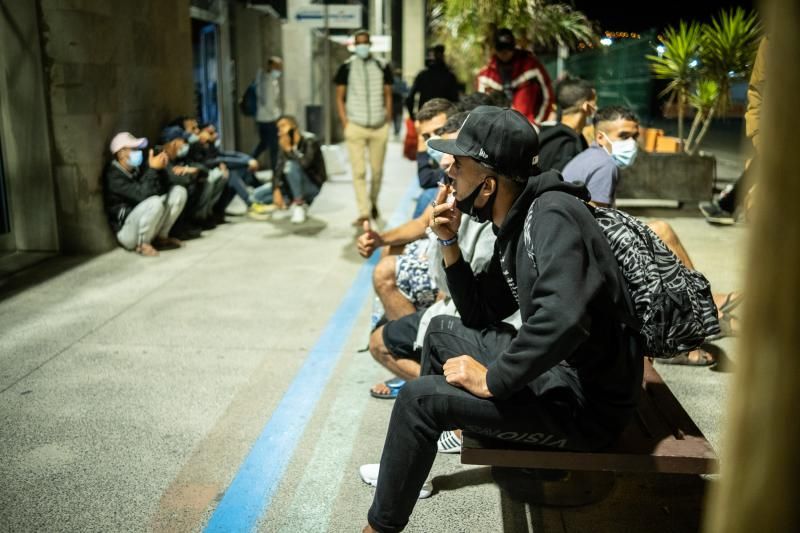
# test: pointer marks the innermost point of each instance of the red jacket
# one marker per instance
(530, 84)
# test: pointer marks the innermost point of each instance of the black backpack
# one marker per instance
(248, 105)
(675, 311)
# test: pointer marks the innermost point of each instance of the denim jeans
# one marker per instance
(301, 187)
(429, 405)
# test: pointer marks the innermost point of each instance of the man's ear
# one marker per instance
(489, 185)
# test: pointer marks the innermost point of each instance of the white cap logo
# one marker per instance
(483, 154)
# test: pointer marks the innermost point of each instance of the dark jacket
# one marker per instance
(558, 144)
(569, 299)
(122, 190)
(309, 155)
(428, 172)
(436, 81)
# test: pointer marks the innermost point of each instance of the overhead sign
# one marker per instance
(343, 16)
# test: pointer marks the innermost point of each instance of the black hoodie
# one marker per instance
(570, 299)
(558, 144)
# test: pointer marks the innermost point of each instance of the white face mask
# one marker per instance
(362, 50)
(623, 152)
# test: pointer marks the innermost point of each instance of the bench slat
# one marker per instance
(661, 438)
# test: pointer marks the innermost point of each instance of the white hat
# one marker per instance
(126, 140)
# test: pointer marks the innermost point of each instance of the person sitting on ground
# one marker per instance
(300, 171)
(140, 215)
(570, 378)
(241, 168)
(204, 185)
(561, 142)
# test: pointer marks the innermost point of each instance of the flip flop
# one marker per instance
(683, 359)
(394, 384)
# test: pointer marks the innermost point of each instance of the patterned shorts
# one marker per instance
(413, 278)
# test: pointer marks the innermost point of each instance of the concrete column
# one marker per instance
(25, 137)
(413, 38)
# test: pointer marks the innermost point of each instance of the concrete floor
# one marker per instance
(133, 389)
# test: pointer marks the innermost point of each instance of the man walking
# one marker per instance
(364, 102)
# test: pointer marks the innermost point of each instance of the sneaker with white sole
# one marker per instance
(369, 475)
(298, 214)
(448, 442)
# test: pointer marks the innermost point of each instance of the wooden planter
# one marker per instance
(680, 177)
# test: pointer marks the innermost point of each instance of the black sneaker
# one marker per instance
(715, 214)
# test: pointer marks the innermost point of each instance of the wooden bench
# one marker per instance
(661, 438)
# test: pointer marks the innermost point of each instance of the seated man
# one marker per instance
(571, 376)
(560, 142)
(139, 213)
(397, 344)
(614, 147)
(430, 118)
(240, 167)
(616, 131)
(401, 278)
(300, 170)
(204, 185)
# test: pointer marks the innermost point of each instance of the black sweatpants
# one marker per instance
(541, 414)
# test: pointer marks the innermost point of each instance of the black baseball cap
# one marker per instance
(500, 139)
(504, 40)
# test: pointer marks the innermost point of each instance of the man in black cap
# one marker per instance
(570, 378)
(520, 75)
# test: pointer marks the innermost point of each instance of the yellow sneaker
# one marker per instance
(261, 209)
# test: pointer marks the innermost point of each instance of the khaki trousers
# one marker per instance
(373, 140)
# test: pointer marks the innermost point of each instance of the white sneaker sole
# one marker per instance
(369, 475)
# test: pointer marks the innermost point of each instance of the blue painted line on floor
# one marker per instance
(251, 491)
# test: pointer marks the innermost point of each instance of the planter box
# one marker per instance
(680, 177)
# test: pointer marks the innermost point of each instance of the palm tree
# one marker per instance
(704, 99)
(729, 45)
(466, 27)
(678, 63)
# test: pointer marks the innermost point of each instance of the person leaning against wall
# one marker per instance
(139, 214)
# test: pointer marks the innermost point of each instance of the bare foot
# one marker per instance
(381, 389)
(146, 250)
(700, 357)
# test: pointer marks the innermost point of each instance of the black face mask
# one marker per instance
(467, 205)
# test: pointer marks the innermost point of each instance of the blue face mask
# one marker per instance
(193, 138)
(436, 155)
(182, 151)
(275, 74)
(623, 152)
(218, 143)
(362, 50)
(135, 158)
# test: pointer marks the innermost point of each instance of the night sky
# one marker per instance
(640, 15)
